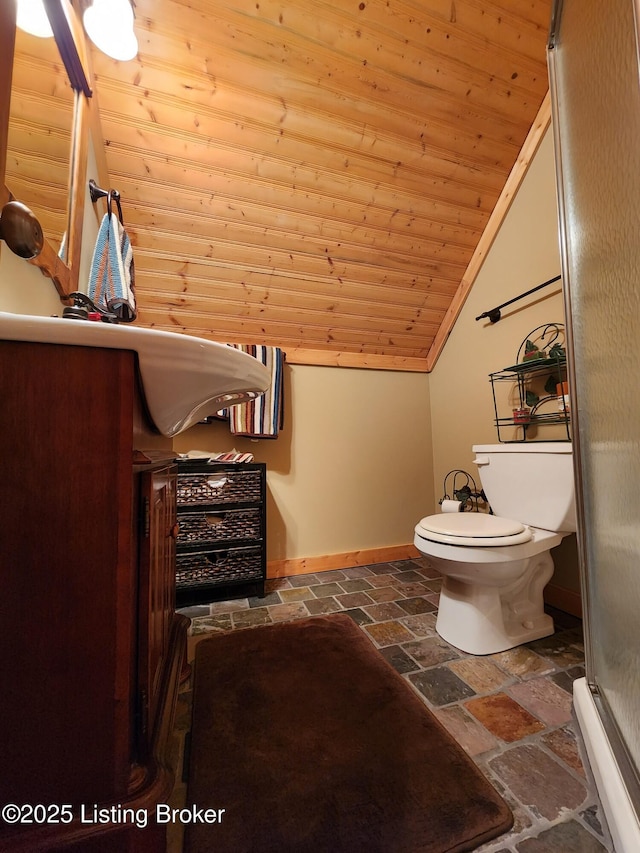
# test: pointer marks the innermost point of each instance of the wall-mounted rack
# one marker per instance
(536, 390)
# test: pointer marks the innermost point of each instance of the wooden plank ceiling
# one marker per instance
(317, 175)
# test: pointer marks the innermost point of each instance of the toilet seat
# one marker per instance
(475, 529)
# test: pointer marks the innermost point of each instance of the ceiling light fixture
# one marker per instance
(109, 25)
(32, 18)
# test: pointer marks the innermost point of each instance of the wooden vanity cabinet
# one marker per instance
(92, 647)
(156, 590)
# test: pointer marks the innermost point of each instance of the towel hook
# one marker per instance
(494, 314)
(96, 192)
(111, 195)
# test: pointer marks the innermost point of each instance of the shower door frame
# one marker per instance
(615, 771)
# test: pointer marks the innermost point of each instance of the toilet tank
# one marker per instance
(530, 482)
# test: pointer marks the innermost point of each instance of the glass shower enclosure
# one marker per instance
(595, 91)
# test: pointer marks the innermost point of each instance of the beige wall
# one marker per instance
(349, 471)
(525, 253)
(23, 288)
(352, 468)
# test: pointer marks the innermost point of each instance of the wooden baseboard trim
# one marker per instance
(309, 565)
(564, 599)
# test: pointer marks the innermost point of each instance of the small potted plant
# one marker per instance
(532, 352)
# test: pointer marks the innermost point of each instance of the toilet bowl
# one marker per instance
(495, 567)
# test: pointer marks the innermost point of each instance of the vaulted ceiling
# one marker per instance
(319, 175)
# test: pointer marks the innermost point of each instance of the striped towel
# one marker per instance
(232, 456)
(112, 277)
(262, 417)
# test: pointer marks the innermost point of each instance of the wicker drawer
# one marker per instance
(232, 565)
(220, 487)
(200, 528)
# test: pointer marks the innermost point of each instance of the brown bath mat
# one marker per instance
(311, 742)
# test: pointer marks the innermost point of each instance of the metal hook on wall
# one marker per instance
(111, 195)
(97, 193)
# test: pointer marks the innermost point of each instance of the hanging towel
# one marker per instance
(262, 417)
(112, 277)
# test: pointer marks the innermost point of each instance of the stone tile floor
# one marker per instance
(512, 711)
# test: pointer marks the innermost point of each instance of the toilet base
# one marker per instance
(483, 620)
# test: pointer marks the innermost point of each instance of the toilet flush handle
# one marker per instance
(481, 460)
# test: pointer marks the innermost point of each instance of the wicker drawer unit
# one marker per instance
(218, 485)
(221, 544)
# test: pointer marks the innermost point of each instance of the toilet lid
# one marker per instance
(473, 528)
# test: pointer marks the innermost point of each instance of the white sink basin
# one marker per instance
(184, 378)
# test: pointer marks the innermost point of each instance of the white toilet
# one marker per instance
(495, 567)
